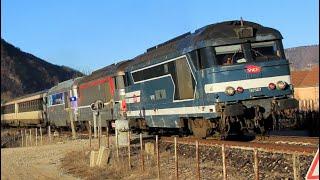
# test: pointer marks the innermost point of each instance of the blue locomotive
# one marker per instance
(229, 77)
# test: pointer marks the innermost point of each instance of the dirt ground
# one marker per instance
(37, 162)
(69, 159)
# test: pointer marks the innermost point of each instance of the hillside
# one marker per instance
(23, 73)
(300, 57)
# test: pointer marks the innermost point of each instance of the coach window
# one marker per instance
(57, 99)
(228, 55)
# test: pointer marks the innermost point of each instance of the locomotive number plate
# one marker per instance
(255, 89)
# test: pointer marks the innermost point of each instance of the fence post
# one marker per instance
(158, 156)
(129, 152)
(99, 131)
(197, 160)
(26, 137)
(108, 141)
(94, 125)
(224, 167)
(141, 153)
(256, 164)
(73, 129)
(89, 122)
(30, 137)
(21, 138)
(296, 167)
(14, 137)
(117, 143)
(176, 157)
(49, 133)
(41, 136)
(36, 137)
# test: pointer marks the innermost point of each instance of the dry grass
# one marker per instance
(77, 164)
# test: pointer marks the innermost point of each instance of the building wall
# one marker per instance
(307, 96)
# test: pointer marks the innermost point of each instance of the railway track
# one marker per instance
(266, 146)
(293, 140)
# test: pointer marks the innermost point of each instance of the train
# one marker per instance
(225, 78)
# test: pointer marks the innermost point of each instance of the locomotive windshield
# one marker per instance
(237, 54)
(227, 55)
(265, 50)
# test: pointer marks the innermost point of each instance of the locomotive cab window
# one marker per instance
(229, 55)
(264, 51)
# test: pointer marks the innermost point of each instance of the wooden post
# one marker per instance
(99, 130)
(25, 137)
(129, 156)
(224, 167)
(117, 143)
(141, 153)
(89, 133)
(158, 156)
(94, 125)
(49, 133)
(73, 129)
(197, 160)
(41, 136)
(176, 157)
(30, 139)
(256, 164)
(296, 167)
(108, 140)
(36, 137)
(21, 138)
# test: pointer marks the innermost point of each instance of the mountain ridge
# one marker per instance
(23, 73)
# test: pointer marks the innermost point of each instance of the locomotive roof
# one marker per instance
(63, 86)
(109, 70)
(218, 34)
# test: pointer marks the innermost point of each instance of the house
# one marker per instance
(306, 87)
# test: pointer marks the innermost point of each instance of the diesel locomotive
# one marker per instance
(228, 78)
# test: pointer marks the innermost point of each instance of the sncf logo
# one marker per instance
(252, 69)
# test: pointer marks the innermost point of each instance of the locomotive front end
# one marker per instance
(246, 74)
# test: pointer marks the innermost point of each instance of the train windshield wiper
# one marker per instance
(259, 53)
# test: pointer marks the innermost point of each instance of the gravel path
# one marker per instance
(41, 162)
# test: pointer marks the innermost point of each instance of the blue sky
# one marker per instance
(88, 35)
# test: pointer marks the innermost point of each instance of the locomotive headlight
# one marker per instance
(281, 85)
(240, 89)
(230, 91)
(272, 86)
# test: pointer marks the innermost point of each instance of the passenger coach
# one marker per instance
(28, 110)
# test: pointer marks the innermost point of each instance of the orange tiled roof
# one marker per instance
(308, 78)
